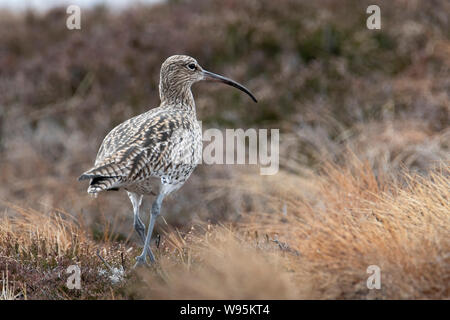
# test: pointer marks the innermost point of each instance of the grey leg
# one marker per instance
(139, 226)
(156, 208)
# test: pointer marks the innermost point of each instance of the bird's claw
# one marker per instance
(140, 261)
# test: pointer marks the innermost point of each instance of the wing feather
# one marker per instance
(137, 145)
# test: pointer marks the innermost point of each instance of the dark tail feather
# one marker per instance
(98, 184)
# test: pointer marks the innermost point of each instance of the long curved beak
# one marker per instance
(215, 77)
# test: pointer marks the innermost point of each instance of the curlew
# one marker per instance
(155, 152)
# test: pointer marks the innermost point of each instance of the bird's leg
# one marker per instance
(156, 208)
(139, 226)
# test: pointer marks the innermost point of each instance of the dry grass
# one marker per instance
(36, 248)
(358, 221)
(310, 238)
(8, 290)
(318, 247)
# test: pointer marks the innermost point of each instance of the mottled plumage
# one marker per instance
(155, 152)
(163, 143)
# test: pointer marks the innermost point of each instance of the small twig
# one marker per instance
(104, 261)
(122, 260)
(158, 240)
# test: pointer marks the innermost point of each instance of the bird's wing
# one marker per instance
(137, 143)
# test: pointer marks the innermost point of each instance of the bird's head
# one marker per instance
(180, 72)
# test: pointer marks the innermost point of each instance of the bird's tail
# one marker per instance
(100, 183)
(103, 183)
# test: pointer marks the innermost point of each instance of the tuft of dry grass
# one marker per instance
(216, 262)
(8, 289)
(36, 248)
(318, 247)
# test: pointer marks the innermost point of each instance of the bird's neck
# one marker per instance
(177, 97)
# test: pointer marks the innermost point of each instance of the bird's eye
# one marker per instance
(191, 66)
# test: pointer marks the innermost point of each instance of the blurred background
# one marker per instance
(327, 82)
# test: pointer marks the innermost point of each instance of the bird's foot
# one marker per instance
(141, 261)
